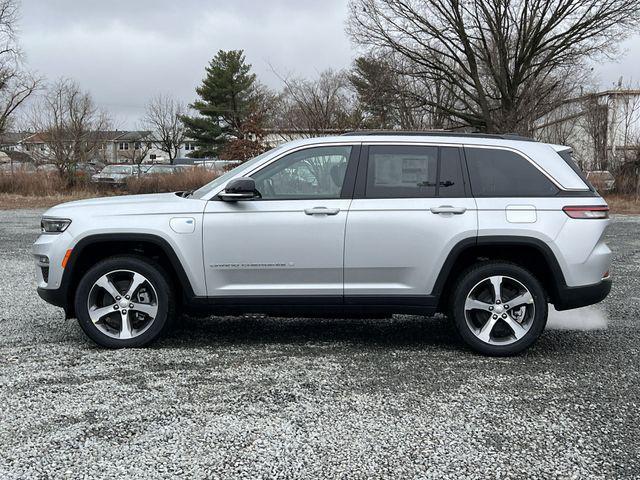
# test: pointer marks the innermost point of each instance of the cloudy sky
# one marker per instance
(125, 51)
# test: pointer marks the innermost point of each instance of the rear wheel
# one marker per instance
(499, 308)
(124, 302)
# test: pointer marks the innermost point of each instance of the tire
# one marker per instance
(101, 300)
(491, 325)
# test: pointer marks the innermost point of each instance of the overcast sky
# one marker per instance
(124, 52)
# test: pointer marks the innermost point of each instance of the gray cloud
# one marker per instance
(125, 51)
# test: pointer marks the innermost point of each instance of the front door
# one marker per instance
(290, 242)
(411, 207)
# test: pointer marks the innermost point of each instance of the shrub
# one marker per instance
(189, 179)
(27, 183)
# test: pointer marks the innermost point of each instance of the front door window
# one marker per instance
(313, 173)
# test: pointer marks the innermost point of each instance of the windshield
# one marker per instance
(222, 179)
(121, 169)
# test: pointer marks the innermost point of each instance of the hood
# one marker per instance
(154, 203)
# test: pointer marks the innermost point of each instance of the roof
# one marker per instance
(12, 138)
(103, 135)
(132, 136)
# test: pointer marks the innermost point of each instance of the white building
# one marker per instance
(602, 128)
(114, 146)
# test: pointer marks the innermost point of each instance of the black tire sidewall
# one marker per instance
(153, 273)
(474, 275)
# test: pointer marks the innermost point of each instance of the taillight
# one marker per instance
(590, 212)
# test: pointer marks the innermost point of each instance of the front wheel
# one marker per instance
(499, 308)
(124, 301)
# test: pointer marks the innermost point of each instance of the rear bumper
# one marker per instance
(574, 297)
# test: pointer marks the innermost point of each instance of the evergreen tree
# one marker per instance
(373, 81)
(228, 97)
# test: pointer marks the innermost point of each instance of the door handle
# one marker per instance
(448, 209)
(321, 211)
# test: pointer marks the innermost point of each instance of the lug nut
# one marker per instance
(498, 302)
(127, 297)
(124, 312)
(131, 305)
(115, 307)
(118, 297)
(506, 307)
(504, 315)
(495, 316)
(491, 308)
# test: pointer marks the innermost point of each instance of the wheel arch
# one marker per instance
(530, 253)
(96, 247)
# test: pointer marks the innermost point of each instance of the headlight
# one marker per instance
(54, 225)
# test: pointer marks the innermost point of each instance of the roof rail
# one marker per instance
(440, 133)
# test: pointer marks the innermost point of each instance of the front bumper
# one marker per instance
(55, 297)
(575, 297)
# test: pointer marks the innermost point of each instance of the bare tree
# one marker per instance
(505, 63)
(163, 118)
(16, 85)
(139, 144)
(317, 107)
(70, 127)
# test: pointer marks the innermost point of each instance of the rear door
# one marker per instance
(412, 204)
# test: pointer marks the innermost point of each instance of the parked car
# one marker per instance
(161, 170)
(602, 180)
(115, 174)
(488, 229)
(13, 167)
(218, 165)
(47, 168)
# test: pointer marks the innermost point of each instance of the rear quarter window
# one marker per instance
(503, 173)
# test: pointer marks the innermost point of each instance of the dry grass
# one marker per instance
(190, 179)
(623, 204)
(42, 190)
(31, 184)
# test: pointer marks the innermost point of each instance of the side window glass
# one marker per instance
(311, 173)
(451, 182)
(502, 173)
(400, 171)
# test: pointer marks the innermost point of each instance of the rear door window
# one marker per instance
(503, 173)
(407, 171)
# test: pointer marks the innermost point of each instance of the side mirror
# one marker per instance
(239, 189)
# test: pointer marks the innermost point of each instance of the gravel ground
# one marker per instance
(256, 397)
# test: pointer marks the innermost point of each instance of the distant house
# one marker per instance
(112, 146)
(11, 141)
(603, 128)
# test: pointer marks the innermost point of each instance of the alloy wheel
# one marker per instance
(122, 304)
(499, 310)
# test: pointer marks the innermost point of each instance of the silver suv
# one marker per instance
(488, 229)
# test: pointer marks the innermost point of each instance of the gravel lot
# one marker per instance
(257, 397)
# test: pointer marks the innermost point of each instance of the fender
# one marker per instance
(62, 295)
(558, 284)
